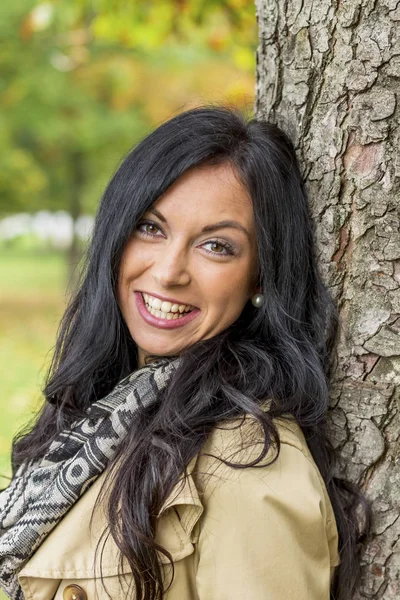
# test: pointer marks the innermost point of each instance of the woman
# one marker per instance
(206, 472)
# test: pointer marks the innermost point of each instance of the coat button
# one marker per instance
(74, 592)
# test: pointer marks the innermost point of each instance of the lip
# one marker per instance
(165, 299)
(162, 323)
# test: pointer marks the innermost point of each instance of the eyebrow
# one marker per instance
(208, 228)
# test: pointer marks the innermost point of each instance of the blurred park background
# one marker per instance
(80, 83)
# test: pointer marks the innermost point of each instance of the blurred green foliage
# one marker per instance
(31, 302)
(81, 82)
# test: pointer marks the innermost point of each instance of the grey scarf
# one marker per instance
(42, 491)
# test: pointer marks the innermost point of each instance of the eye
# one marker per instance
(148, 228)
(220, 247)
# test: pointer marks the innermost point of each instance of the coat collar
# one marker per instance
(68, 551)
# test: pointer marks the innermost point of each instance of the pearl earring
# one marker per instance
(257, 300)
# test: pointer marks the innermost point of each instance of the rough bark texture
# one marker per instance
(329, 73)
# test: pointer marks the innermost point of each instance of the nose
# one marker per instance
(171, 268)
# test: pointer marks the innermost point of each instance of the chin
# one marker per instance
(160, 349)
(161, 352)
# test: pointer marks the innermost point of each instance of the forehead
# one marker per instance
(208, 192)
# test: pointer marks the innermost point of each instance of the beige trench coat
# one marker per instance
(256, 533)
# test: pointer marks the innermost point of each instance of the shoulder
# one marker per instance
(264, 531)
(241, 440)
(288, 486)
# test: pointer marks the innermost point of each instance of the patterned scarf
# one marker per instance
(42, 491)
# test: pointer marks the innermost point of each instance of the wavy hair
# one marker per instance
(283, 351)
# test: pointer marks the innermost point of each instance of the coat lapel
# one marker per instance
(69, 550)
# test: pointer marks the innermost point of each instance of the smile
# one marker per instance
(164, 309)
(164, 314)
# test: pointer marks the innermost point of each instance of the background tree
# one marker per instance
(329, 73)
(83, 81)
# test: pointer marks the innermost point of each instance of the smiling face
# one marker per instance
(190, 266)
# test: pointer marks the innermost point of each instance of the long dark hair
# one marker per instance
(282, 351)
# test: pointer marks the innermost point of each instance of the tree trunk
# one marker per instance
(328, 73)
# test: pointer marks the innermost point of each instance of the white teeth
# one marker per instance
(162, 315)
(166, 306)
(162, 309)
(165, 309)
(156, 303)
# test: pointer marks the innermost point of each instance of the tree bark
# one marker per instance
(328, 73)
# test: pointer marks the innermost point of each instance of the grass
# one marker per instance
(31, 304)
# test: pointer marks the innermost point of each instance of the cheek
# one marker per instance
(126, 273)
(122, 299)
(121, 283)
(133, 262)
(228, 291)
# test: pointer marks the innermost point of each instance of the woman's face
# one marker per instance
(190, 265)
